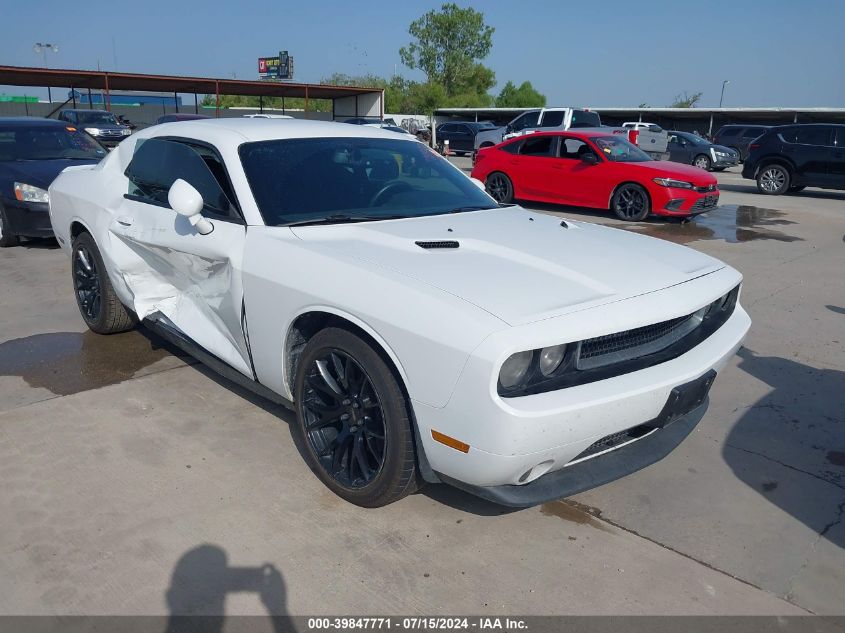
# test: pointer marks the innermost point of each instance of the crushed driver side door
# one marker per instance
(193, 280)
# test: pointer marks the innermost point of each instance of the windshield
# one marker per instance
(42, 142)
(694, 139)
(619, 150)
(96, 118)
(583, 118)
(296, 180)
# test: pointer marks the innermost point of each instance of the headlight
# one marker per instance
(514, 369)
(28, 193)
(93, 130)
(551, 358)
(126, 132)
(671, 182)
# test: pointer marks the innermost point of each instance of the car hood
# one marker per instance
(38, 173)
(517, 265)
(665, 168)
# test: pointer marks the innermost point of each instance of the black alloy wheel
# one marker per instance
(99, 306)
(500, 187)
(86, 283)
(630, 202)
(354, 425)
(344, 419)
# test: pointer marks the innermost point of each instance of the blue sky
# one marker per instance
(581, 53)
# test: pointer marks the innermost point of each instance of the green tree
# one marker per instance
(686, 100)
(523, 97)
(447, 45)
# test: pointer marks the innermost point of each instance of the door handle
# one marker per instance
(124, 221)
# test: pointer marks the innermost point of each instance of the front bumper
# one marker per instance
(28, 219)
(515, 441)
(683, 202)
(593, 472)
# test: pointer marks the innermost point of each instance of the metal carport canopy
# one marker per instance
(104, 80)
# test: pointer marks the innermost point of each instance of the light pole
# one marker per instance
(41, 49)
(724, 83)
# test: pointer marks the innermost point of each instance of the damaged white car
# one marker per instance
(420, 331)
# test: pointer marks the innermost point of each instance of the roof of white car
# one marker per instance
(241, 129)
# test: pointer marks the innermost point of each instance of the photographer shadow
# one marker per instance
(201, 581)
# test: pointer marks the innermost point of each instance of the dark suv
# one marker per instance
(101, 124)
(791, 157)
(739, 137)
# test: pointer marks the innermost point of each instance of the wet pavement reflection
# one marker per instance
(730, 222)
(70, 362)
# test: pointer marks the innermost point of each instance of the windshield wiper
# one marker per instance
(342, 218)
(476, 207)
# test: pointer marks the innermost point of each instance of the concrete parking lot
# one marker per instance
(135, 481)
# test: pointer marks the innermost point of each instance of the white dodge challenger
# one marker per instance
(421, 332)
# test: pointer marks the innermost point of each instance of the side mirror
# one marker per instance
(185, 200)
(478, 184)
(589, 158)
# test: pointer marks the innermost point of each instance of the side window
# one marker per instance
(752, 132)
(574, 148)
(553, 119)
(529, 119)
(840, 136)
(446, 128)
(512, 148)
(464, 129)
(730, 132)
(158, 163)
(813, 135)
(538, 146)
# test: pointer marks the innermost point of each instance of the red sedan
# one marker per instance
(592, 169)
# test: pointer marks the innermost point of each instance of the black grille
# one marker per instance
(620, 341)
(615, 439)
(438, 244)
(705, 189)
(702, 204)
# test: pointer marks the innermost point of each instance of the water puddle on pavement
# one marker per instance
(70, 362)
(575, 513)
(730, 222)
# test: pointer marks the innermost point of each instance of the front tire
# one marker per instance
(773, 180)
(703, 162)
(630, 203)
(98, 304)
(353, 420)
(500, 187)
(7, 238)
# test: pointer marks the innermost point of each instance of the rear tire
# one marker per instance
(7, 238)
(353, 421)
(630, 203)
(703, 162)
(98, 304)
(500, 187)
(773, 180)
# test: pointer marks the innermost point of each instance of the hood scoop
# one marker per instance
(438, 244)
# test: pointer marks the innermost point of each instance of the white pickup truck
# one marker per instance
(539, 120)
(649, 137)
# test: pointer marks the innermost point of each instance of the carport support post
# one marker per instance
(196, 104)
(107, 95)
(90, 105)
(710, 131)
(73, 96)
(283, 104)
(176, 101)
(261, 104)
(306, 102)
(217, 99)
